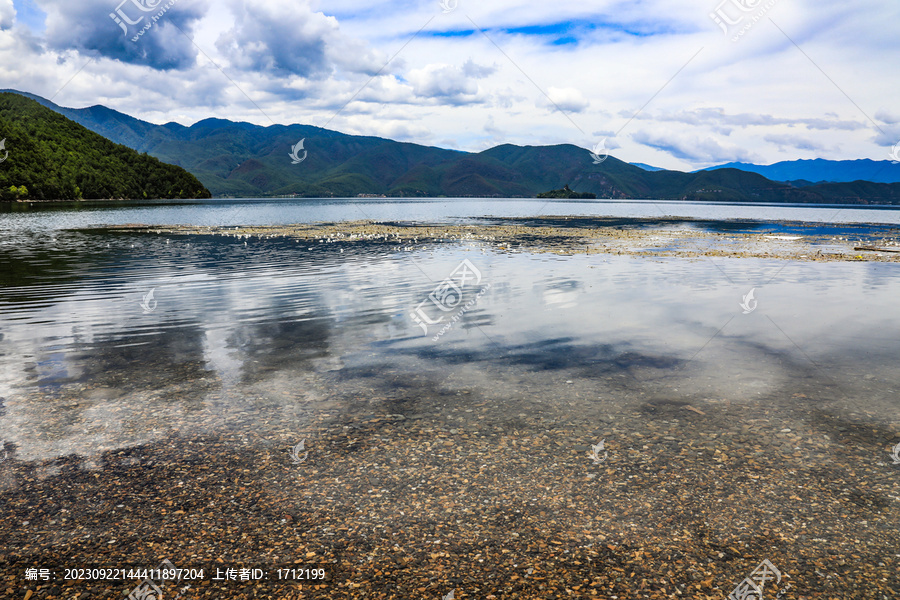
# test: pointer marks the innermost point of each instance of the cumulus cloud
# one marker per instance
(569, 100)
(888, 136)
(608, 139)
(449, 84)
(7, 14)
(507, 98)
(886, 117)
(107, 29)
(286, 37)
(476, 71)
(389, 126)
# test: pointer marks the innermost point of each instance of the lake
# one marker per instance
(154, 389)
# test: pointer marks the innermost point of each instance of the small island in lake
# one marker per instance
(567, 194)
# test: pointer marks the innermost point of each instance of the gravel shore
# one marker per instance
(490, 492)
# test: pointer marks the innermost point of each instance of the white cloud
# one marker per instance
(391, 126)
(287, 37)
(476, 71)
(566, 99)
(7, 14)
(887, 117)
(403, 68)
(887, 136)
(718, 117)
(447, 83)
(704, 151)
(795, 142)
(105, 28)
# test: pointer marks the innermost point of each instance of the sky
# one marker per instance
(679, 85)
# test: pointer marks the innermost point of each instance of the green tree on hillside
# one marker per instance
(53, 158)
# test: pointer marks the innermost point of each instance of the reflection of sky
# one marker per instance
(230, 323)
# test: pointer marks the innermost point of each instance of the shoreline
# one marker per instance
(836, 205)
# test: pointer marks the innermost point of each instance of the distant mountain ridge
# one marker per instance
(245, 160)
(647, 167)
(820, 170)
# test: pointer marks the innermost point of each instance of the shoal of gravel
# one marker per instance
(559, 235)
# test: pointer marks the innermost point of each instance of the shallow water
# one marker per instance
(226, 315)
(265, 343)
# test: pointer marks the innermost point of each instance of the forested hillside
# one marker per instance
(48, 157)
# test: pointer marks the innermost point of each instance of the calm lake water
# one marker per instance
(265, 211)
(71, 315)
(237, 334)
(71, 307)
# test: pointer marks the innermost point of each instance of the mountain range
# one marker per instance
(807, 172)
(235, 159)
